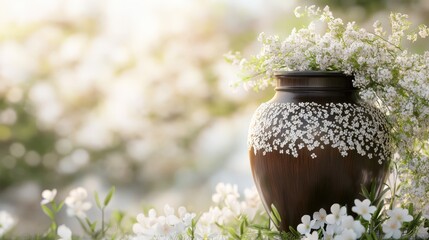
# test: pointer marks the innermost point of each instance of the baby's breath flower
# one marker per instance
(423, 31)
(223, 191)
(76, 203)
(48, 196)
(64, 232)
(6, 222)
(167, 226)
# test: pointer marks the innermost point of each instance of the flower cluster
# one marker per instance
(390, 77)
(235, 217)
(167, 226)
(77, 204)
(228, 210)
(339, 225)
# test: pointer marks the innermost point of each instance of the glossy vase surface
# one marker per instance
(315, 143)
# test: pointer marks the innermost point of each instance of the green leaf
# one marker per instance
(365, 192)
(118, 216)
(243, 226)
(91, 225)
(368, 236)
(275, 215)
(59, 207)
(109, 196)
(48, 212)
(232, 232)
(294, 232)
(97, 199)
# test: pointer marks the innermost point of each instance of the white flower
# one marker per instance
(252, 204)
(64, 232)
(320, 218)
(233, 204)
(364, 209)
(329, 232)
(6, 222)
(400, 215)
(207, 224)
(48, 196)
(76, 203)
(347, 234)
(145, 224)
(186, 216)
(313, 236)
(223, 191)
(306, 225)
(391, 228)
(423, 232)
(167, 226)
(337, 212)
(348, 222)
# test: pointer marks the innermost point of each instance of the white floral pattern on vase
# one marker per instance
(288, 127)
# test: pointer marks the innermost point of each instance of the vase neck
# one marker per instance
(314, 81)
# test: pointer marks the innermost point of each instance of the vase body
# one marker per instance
(315, 143)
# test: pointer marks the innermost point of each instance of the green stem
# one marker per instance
(83, 226)
(102, 222)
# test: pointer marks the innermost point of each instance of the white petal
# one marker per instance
(335, 208)
(46, 194)
(330, 219)
(306, 219)
(168, 210)
(86, 206)
(301, 228)
(64, 232)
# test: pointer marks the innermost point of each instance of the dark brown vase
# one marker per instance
(315, 143)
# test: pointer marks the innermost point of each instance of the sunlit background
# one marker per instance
(135, 94)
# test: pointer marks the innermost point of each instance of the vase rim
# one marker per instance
(310, 73)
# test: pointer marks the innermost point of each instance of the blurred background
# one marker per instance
(135, 94)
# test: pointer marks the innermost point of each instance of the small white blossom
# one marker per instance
(392, 229)
(313, 236)
(306, 225)
(165, 226)
(64, 232)
(76, 203)
(347, 234)
(337, 213)
(252, 204)
(224, 190)
(207, 224)
(6, 222)
(400, 215)
(364, 209)
(422, 232)
(320, 218)
(233, 204)
(348, 222)
(48, 196)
